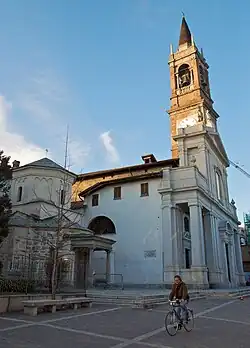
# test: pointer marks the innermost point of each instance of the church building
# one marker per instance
(172, 216)
(141, 225)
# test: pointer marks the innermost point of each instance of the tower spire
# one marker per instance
(185, 34)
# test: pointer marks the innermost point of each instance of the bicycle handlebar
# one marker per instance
(173, 302)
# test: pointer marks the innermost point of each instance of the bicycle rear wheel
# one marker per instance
(189, 325)
(171, 323)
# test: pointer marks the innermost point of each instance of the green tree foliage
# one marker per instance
(5, 202)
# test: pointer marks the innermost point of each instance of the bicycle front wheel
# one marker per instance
(171, 323)
(189, 324)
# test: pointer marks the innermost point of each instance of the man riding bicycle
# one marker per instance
(180, 294)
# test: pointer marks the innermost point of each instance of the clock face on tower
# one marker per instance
(187, 122)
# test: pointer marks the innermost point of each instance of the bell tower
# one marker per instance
(190, 101)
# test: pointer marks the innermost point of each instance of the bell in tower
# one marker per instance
(184, 76)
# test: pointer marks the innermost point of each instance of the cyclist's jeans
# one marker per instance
(182, 311)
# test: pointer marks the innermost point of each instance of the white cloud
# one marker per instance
(111, 150)
(13, 144)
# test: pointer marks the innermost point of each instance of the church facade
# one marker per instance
(141, 225)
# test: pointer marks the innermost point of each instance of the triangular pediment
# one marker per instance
(217, 142)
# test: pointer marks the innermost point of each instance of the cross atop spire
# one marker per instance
(185, 35)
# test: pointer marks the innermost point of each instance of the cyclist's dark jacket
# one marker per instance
(179, 292)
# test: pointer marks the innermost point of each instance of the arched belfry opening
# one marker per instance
(184, 76)
(102, 225)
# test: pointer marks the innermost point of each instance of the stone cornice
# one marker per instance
(204, 193)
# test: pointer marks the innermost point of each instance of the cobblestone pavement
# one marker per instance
(218, 323)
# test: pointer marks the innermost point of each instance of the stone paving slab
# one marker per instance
(8, 323)
(240, 311)
(207, 334)
(46, 337)
(120, 327)
(68, 313)
(125, 323)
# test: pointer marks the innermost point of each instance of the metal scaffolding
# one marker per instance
(247, 226)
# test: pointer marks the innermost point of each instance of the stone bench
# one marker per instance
(31, 306)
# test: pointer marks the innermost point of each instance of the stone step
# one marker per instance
(240, 293)
(137, 301)
(231, 294)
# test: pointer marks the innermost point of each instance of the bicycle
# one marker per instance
(176, 322)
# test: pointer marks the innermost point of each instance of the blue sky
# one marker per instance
(101, 67)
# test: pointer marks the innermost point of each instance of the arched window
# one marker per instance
(19, 193)
(184, 76)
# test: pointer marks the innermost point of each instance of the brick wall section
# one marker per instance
(79, 186)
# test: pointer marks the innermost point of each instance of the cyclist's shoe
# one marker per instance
(179, 326)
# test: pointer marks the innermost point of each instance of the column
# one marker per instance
(179, 229)
(239, 260)
(198, 269)
(169, 235)
(209, 250)
(232, 261)
(72, 269)
(76, 267)
(169, 242)
(215, 244)
(219, 246)
(90, 276)
(108, 266)
(197, 236)
(238, 253)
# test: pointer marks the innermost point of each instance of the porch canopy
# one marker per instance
(87, 239)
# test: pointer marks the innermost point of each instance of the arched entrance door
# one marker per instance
(102, 225)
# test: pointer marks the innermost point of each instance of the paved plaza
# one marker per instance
(219, 323)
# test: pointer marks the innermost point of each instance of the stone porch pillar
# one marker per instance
(75, 276)
(90, 268)
(199, 268)
(108, 266)
(72, 269)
